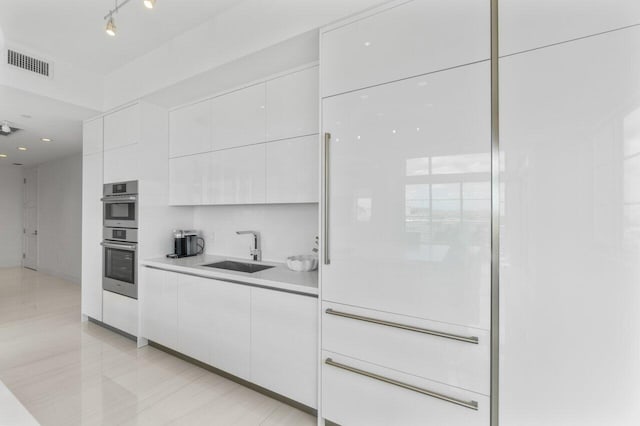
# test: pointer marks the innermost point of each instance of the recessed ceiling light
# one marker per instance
(45, 140)
(149, 3)
(22, 148)
(3, 155)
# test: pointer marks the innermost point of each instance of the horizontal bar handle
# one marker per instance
(467, 404)
(470, 339)
(130, 247)
(118, 198)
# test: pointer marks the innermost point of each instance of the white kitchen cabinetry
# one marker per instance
(236, 176)
(123, 164)
(190, 129)
(292, 170)
(292, 105)
(188, 179)
(526, 25)
(403, 40)
(214, 323)
(120, 312)
(239, 118)
(160, 317)
(570, 240)
(92, 220)
(284, 343)
(122, 127)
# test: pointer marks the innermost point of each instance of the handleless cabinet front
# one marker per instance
(122, 127)
(159, 293)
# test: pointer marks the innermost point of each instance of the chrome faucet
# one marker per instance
(255, 251)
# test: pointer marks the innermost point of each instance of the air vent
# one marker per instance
(28, 63)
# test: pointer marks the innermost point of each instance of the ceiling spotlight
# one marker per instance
(3, 155)
(45, 140)
(111, 27)
(22, 148)
(149, 3)
(6, 128)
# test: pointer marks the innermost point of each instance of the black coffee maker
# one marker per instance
(186, 243)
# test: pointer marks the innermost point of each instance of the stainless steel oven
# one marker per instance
(121, 204)
(120, 261)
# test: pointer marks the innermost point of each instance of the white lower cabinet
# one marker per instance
(159, 292)
(356, 393)
(120, 312)
(284, 345)
(214, 323)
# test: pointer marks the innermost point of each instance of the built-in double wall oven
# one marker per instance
(120, 238)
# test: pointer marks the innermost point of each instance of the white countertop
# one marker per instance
(278, 277)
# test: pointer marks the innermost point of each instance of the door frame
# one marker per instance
(30, 173)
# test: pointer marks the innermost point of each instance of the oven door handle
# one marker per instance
(119, 198)
(131, 247)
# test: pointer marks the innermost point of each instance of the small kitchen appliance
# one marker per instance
(186, 243)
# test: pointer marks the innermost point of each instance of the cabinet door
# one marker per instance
(405, 40)
(292, 105)
(122, 164)
(214, 323)
(236, 176)
(409, 195)
(122, 127)
(120, 312)
(292, 170)
(190, 129)
(188, 178)
(284, 342)
(521, 21)
(159, 298)
(92, 235)
(92, 137)
(239, 118)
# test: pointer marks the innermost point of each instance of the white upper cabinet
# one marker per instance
(122, 127)
(122, 164)
(405, 40)
(529, 24)
(292, 105)
(239, 118)
(190, 129)
(237, 176)
(188, 179)
(410, 199)
(92, 137)
(292, 170)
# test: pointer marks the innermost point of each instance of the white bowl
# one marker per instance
(302, 263)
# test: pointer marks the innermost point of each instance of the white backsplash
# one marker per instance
(285, 229)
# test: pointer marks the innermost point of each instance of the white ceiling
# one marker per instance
(73, 30)
(61, 122)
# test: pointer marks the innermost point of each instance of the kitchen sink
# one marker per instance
(238, 266)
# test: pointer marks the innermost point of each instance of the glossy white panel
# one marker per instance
(159, 298)
(123, 163)
(188, 178)
(410, 197)
(122, 127)
(284, 344)
(195, 306)
(570, 300)
(529, 24)
(353, 399)
(292, 105)
(92, 136)
(293, 170)
(236, 176)
(457, 363)
(404, 40)
(92, 235)
(239, 118)
(120, 312)
(190, 129)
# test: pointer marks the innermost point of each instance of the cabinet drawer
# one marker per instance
(404, 40)
(358, 393)
(405, 344)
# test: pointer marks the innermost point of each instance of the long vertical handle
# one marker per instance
(325, 194)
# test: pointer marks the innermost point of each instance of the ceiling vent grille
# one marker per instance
(28, 63)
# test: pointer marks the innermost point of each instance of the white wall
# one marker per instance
(10, 216)
(286, 229)
(60, 217)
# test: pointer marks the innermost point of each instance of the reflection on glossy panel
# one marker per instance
(410, 216)
(570, 241)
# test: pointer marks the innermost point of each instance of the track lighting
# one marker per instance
(111, 27)
(149, 3)
(6, 128)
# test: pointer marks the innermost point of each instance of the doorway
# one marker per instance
(30, 228)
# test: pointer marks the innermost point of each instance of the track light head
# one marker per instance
(6, 128)
(111, 27)
(149, 4)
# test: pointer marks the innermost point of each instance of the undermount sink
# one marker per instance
(238, 266)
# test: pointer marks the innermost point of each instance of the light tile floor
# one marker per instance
(70, 373)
